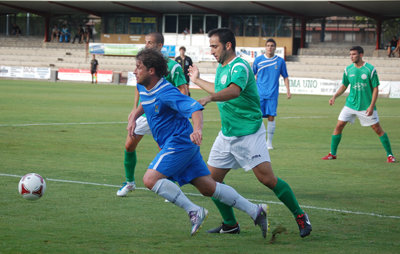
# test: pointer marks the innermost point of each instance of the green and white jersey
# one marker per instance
(362, 81)
(175, 73)
(240, 116)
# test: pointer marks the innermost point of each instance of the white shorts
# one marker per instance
(349, 115)
(239, 152)
(142, 127)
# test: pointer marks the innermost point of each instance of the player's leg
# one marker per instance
(229, 196)
(268, 109)
(384, 138)
(345, 116)
(130, 159)
(270, 131)
(282, 190)
(219, 163)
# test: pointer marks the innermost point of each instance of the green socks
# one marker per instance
(130, 164)
(335, 143)
(285, 194)
(386, 144)
(226, 212)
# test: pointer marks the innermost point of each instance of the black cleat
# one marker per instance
(304, 224)
(226, 229)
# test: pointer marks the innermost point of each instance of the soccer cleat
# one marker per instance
(197, 218)
(304, 224)
(126, 187)
(270, 147)
(329, 157)
(391, 159)
(226, 229)
(262, 219)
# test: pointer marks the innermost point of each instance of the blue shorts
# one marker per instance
(268, 107)
(181, 165)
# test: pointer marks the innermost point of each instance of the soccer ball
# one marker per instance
(32, 186)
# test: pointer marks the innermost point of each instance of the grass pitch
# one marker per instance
(74, 135)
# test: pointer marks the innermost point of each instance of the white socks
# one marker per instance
(229, 196)
(171, 192)
(270, 133)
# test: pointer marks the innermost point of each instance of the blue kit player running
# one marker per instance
(179, 159)
(268, 68)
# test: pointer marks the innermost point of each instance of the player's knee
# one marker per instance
(149, 181)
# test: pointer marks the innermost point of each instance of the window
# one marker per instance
(170, 23)
(211, 23)
(197, 24)
(183, 23)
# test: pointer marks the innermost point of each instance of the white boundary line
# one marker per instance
(210, 120)
(196, 194)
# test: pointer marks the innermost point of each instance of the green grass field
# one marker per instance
(76, 132)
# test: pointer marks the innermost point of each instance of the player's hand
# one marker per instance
(131, 127)
(194, 73)
(332, 101)
(196, 137)
(370, 111)
(289, 95)
(205, 100)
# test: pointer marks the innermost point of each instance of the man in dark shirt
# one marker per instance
(94, 64)
(185, 62)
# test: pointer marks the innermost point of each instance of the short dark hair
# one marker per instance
(158, 36)
(359, 49)
(152, 58)
(271, 40)
(183, 47)
(225, 35)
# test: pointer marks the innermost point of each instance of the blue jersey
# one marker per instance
(268, 71)
(167, 111)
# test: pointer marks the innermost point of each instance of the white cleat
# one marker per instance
(125, 189)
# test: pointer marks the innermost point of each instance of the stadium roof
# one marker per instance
(385, 9)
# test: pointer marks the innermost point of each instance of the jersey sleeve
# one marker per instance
(177, 76)
(284, 72)
(240, 75)
(254, 67)
(345, 79)
(181, 103)
(374, 78)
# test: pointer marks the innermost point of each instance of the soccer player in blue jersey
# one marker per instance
(268, 68)
(363, 81)
(241, 142)
(176, 77)
(179, 159)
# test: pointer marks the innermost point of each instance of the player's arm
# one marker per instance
(194, 75)
(289, 95)
(135, 114)
(339, 92)
(184, 89)
(370, 109)
(229, 93)
(197, 119)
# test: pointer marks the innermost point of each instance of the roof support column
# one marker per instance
(46, 28)
(303, 32)
(378, 33)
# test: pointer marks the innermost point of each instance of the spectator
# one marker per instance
(185, 62)
(392, 46)
(89, 33)
(186, 31)
(397, 49)
(55, 33)
(201, 31)
(16, 30)
(65, 35)
(79, 34)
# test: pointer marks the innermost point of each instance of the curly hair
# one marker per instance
(152, 58)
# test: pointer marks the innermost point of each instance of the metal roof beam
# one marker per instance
(362, 12)
(286, 12)
(76, 8)
(44, 14)
(139, 9)
(209, 10)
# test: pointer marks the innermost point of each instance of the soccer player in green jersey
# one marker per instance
(176, 77)
(364, 82)
(241, 143)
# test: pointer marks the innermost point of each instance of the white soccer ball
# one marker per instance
(32, 186)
